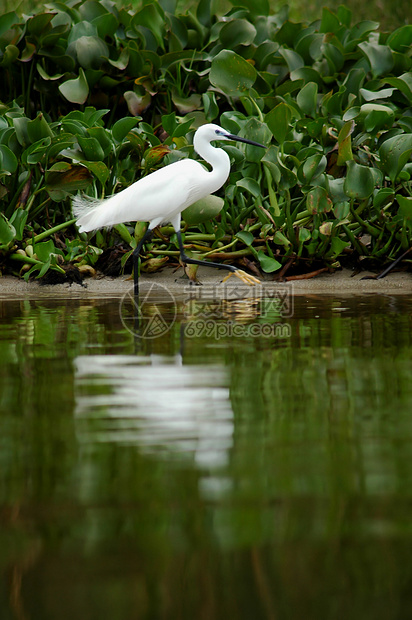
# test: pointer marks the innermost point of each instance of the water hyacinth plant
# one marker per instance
(95, 96)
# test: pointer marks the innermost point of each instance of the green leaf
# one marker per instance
(304, 235)
(401, 39)
(237, 32)
(104, 139)
(7, 20)
(353, 81)
(81, 29)
(203, 210)
(45, 76)
(36, 152)
(182, 128)
(336, 190)
(124, 233)
(288, 177)
(11, 54)
(122, 127)
(18, 220)
(337, 246)
(169, 123)
(288, 34)
(360, 30)
(293, 60)
(137, 103)
(255, 130)
(74, 127)
(77, 90)
(333, 104)
(268, 264)
(245, 237)
(63, 178)
(8, 160)
(270, 159)
(376, 116)
(232, 74)
(345, 143)
(99, 169)
(330, 22)
(122, 61)
(405, 209)
(45, 268)
(380, 57)
(359, 181)
(203, 12)
(152, 17)
(383, 197)
(325, 228)
(307, 98)
(20, 125)
(7, 233)
(344, 15)
(250, 185)
(154, 155)
(280, 239)
(278, 121)
(210, 106)
(394, 154)
(91, 10)
(307, 74)
(402, 83)
(91, 148)
(90, 52)
(334, 57)
(38, 128)
(312, 167)
(106, 24)
(373, 95)
(341, 210)
(38, 24)
(44, 249)
(317, 200)
(185, 105)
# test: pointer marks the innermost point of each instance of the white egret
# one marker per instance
(161, 196)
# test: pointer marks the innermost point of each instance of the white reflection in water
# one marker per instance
(155, 403)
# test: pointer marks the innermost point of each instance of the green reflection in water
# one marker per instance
(206, 477)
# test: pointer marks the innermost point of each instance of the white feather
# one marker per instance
(161, 196)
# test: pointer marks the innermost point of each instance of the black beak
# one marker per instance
(238, 139)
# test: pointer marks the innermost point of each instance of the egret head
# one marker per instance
(210, 132)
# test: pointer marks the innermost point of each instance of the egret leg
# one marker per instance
(136, 255)
(196, 261)
(245, 277)
(389, 269)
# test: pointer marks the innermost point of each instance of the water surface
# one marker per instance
(208, 472)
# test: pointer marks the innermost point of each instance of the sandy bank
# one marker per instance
(340, 283)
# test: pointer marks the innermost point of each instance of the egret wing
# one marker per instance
(157, 197)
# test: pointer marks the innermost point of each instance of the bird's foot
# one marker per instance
(246, 278)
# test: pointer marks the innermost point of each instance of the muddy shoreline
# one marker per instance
(340, 283)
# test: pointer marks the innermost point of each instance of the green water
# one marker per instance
(206, 475)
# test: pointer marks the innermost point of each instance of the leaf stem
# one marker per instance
(51, 231)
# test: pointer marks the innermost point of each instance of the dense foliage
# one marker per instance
(94, 97)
